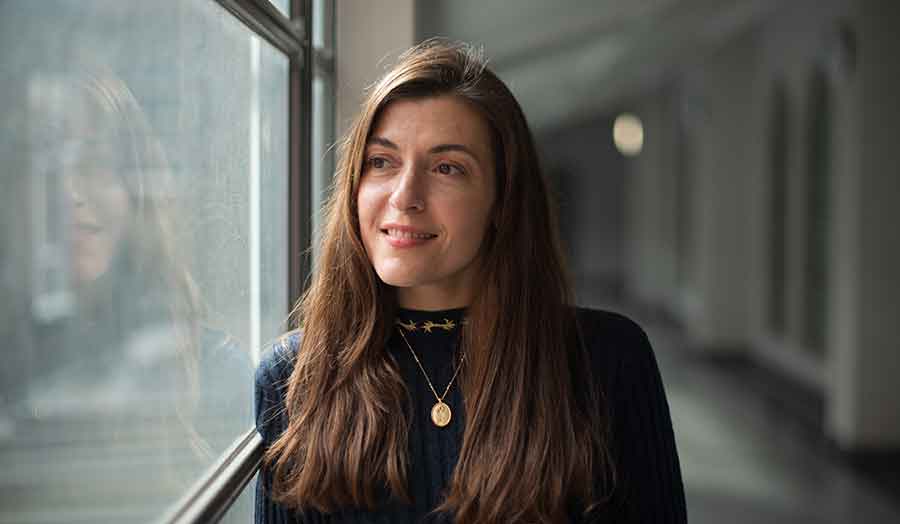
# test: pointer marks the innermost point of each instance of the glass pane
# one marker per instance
(323, 24)
(323, 140)
(241, 511)
(323, 111)
(143, 239)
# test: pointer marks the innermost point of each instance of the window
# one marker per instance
(145, 249)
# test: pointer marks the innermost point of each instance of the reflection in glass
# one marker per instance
(137, 140)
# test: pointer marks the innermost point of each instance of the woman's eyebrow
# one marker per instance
(440, 148)
(377, 140)
(443, 148)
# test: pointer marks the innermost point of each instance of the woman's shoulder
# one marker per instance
(613, 341)
(277, 361)
(649, 485)
(272, 374)
(608, 328)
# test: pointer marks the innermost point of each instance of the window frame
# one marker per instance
(211, 496)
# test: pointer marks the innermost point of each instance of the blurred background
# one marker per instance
(726, 173)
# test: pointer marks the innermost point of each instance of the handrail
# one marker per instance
(212, 495)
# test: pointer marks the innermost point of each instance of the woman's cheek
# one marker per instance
(94, 251)
(366, 207)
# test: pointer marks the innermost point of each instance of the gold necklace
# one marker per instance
(440, 412)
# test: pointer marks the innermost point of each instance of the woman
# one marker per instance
(442, 374)
(135, 350)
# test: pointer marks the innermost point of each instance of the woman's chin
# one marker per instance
(89, 269)
(398, 280)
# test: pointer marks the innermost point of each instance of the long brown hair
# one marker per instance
(535, 437)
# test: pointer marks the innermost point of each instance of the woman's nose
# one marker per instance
(74, 188)
(408, 192)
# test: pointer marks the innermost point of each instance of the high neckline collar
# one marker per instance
(417, 321)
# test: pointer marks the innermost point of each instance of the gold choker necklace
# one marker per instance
(440, 412)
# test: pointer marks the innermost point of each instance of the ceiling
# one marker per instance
(569, 59)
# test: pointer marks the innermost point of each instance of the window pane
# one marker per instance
(323, 24)
(241, 511)
(143, 238)
(323, 140)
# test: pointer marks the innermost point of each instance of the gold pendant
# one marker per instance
(440, 414)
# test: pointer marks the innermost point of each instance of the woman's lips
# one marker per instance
(87, 228)
(406, 237)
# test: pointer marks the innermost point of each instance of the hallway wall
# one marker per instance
(783, 143)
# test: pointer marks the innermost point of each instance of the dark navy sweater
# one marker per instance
(649, 486)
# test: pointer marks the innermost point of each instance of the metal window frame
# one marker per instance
(300, 144)
(210, 498)
(289, 34)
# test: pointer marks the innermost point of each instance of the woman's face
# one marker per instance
(425, 199)
(100, 208)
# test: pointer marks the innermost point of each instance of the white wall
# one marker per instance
(369, 37)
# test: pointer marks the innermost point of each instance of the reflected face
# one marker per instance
(425, 199)
(100, 208)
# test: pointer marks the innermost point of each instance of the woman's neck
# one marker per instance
(420, 299)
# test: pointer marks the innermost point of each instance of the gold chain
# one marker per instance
(430, 385)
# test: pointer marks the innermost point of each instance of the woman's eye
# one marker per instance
(448, 169)
(378, 162)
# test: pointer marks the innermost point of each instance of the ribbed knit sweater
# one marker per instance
(649, 486)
